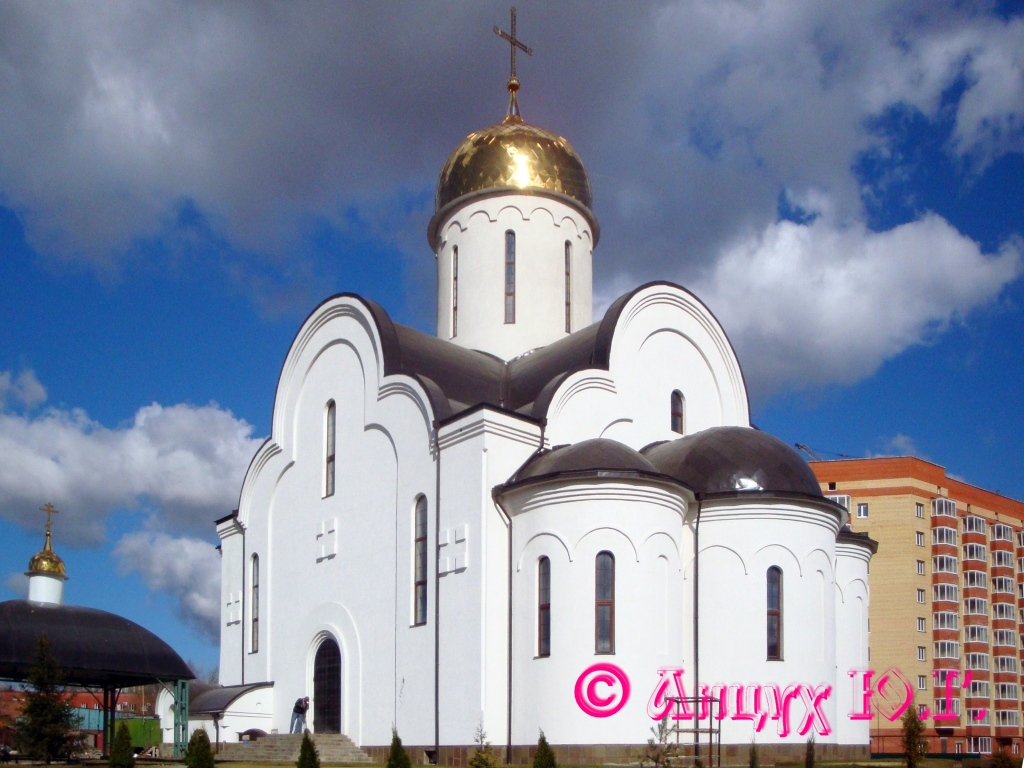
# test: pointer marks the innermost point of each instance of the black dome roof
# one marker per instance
(92, 647)
(586, 457)
(731, 459)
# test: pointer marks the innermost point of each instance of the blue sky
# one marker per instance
(181, 184)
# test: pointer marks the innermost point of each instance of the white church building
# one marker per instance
(533, 521)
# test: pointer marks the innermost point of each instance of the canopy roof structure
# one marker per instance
(92, 647)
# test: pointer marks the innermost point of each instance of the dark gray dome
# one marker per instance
(732, 459)
(92, 647)
(586, 457)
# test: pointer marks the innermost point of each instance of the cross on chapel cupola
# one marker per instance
(513, 82)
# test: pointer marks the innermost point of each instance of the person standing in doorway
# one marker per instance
(299, 715)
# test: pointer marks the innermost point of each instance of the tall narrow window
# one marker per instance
(544, 607)
(678, 404)
(420, 570)
(455, 291)
(774, 613)
(510, 276)
(605, 604)
(254, 642)
(568, 287)
(329, 450)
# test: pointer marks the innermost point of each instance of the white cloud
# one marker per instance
(819, 303)
(186, 568)
(186, 463)
(23, 388)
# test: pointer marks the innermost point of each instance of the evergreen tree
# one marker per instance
(397, 756)
(121, 753)
(484, 756)
(48, 720)
(199, 754)
(1002, 759)
(809, 754)
(913, 729)
(754, 760)
(544, 757)
(308, 755)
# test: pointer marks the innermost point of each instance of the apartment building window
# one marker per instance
(974, 524)
(920, 567)
(920, 538)
(1002, 611)
(1002, 559)
(940, 678)
(1020, 617)
(944, 535)
(920, 653)
(921, 624)
(842, 499)
(945, 620)
(946, 592)
(944, 564)
(922, 682)
(977, 661)
(1002, 585)
(1020, 590)
(944, 649)
(1022, 641)
(976, 579)
(979, 689)
(1020, 539)
(1002, 532)
(943, 508)
(919, 509)
(975, 633)
(974, 552)
(1004, 637)
(1020, 564)
(940, 706)
(1006, 717)
(975, 606)
(1006, 664)
(920, 595)
(862, 510)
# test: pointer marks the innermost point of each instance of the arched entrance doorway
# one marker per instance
(327, 688)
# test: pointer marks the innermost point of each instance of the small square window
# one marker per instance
(831, 486)
(920, 624)
(862, 510)
(920, 538)
(920, 595)
(922, 683)
(919, 510)
(920, 567)
(920, 653)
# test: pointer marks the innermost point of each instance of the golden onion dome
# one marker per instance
(512, 156)
(46, 562)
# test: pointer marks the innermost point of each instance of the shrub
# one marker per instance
(484, 756)
(308, 756)
(913, 728)
(809, 754)
(198, 754)
(397, 756)
(544, 757)
(121, 753)
(1002, 759)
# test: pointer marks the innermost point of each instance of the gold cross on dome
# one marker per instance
(514, 43)
(49, 509)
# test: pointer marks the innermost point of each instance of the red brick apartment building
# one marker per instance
(947, 594)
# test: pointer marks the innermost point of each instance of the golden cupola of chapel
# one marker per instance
(46, 572)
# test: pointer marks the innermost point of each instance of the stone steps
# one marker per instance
(284, 748)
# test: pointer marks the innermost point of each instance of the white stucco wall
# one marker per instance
(542, 226)
(851, 636)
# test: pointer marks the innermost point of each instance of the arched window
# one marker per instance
(678, 412)
(775, 613)
(329, 449)
(544, 607)
(568, 287)
(510, 276)
(254, 642)
(455, 291)
(604, 625)
(420, 568)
